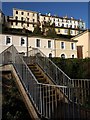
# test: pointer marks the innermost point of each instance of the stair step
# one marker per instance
(37, 73)
(43, 80)
(35, 70)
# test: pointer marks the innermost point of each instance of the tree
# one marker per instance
(37, 30)
(51, 32)
(69, 32)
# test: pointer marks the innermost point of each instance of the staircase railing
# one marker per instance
(47, 99)
(53, 71)
(57, 75)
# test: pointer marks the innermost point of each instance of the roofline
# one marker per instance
(88, 30)
(62, 17)
(24, 10)
(32, 36)
(66, 39)
(2, 12)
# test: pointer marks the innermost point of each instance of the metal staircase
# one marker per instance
(53, 94)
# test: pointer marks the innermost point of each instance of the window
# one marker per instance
(33, 20)
(62, 45)
(27, 19)
(22, 41)
(62, 25)
(49, 44)
(67, 25)
(28, 14)
(22, 13)
(16, 18)
(27, 24)
(8, 40)
(16, 23)
(44, 18)
(72, 56)
(22, 18)
(72, 46)
(74, 26)
(62, 56)
(54, 19)
(33, 14)
(71, 32)
(37, 42)
(33, 25)
(50, 55)
(66, 31)
(58, 24)
(11, 23)
(59, 30)
(16, 12)
(70, 26)
(22, 24)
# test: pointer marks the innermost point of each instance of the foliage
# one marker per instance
(13, 107)
(74, 68)
(37, 30)
(69, 32)
(51, 33)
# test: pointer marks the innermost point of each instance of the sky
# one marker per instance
(78, 10)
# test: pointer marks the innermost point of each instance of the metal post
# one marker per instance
(27, 45)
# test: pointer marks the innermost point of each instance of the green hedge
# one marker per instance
(74, 68)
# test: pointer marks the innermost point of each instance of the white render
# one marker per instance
(31, 18)
(47, 50)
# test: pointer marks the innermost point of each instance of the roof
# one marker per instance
(24, 10)
(88, 30)
(66, 39)
(62, 17)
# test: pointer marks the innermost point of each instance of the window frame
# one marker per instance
(16, 12)
(24, 42)
(8, 43)
(62, 46)
(49, 44)
(38, 43)
(72, 46)
(63, 57)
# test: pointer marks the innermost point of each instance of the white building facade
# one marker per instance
(49, 47)
(29, 19)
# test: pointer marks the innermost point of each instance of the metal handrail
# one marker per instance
(48, 99)
(46, 68)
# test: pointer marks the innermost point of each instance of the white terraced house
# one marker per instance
(29, 19)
